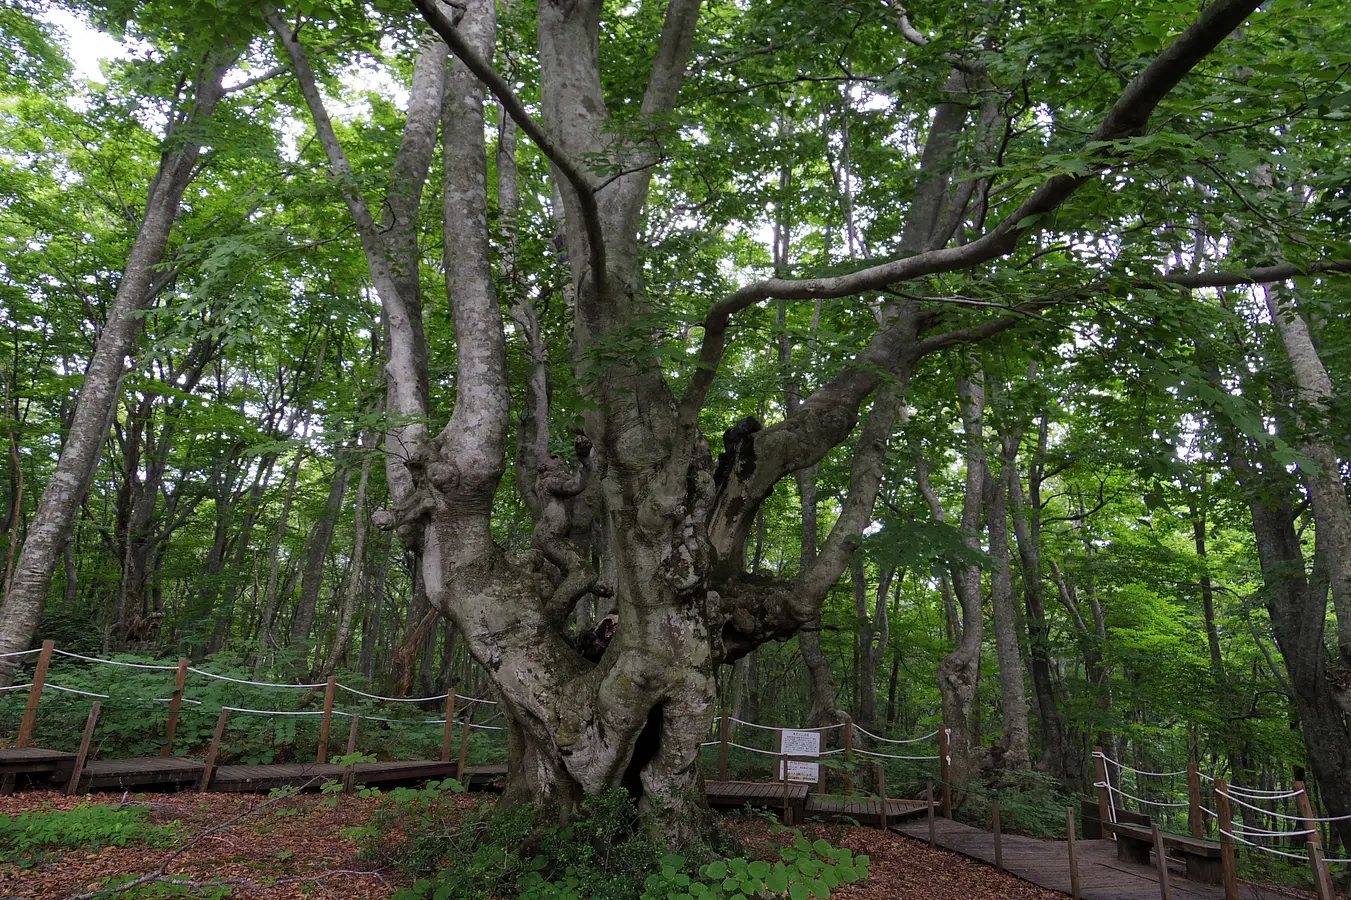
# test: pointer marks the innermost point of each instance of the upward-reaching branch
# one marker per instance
(1126, 118)
(580, 181)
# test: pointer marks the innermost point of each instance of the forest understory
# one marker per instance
(295, 849)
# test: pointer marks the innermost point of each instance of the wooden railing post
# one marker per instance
(929, 804)
(1161, 860)
(175, 704)
(349, 773)
(1226, 825)
(783, 769)
(1322, 879)
(465, 728)
(450, 722)
(945, 768)
(723, 737)
(882, 793)
(30, 712)
(327, 722)
(848, 755)
(1104, 793)
(998, 836)
(1073, 852)
(1196, 819)
(209, 767)
(74, 784)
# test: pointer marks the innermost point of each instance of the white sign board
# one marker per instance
(802, 772)
(800, 743)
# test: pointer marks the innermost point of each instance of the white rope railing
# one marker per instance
(1274, 852)
(782, 727)
(15, 687)
(878, 737)
(891, 756)
(1286, 817)
(280, 712)
(266, 684)
(1263, 833)
(1116, 790)
(1254, 794)
(752, 749)
(114, 662)
(57, 687)
(1103, 756)
(465, 697)
(16, 653)
(753, 724)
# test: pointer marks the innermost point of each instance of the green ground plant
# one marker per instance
(28, 837)
(605, 852)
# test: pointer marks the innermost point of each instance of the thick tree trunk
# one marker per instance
(50, 528)
(1299, 614)
(1013, 745)
(1327, 492)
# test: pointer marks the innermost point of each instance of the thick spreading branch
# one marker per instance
(1127, 118)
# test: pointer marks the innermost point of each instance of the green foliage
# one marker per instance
(29, 836)
(807, 869)
(157, 890)
(607, 852)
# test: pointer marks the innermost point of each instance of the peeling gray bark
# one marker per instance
(50, 529)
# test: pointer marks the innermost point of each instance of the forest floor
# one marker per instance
(295, 848)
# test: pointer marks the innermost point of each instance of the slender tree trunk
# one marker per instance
(821, 701)
(1207, 594)
(312, 577)
(1026, 515)
(959, 671)
(1013, 694)
(50, 529)
(873, 633)
(372, 623)
(356, 582)
(267, 641)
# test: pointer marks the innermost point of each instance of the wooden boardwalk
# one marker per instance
(759, 795)
(176, 773)
(863, 810)
(1045, 863)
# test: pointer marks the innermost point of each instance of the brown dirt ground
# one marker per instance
(298, 841)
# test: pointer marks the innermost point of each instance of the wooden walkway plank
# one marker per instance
(1045, 863)
(125, 774)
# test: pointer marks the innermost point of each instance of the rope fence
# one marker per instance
(49, 652)
(1275, 839)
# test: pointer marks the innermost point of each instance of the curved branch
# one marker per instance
(1258, 275)
(1127, 118)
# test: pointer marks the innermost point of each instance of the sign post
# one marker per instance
(793, 743)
